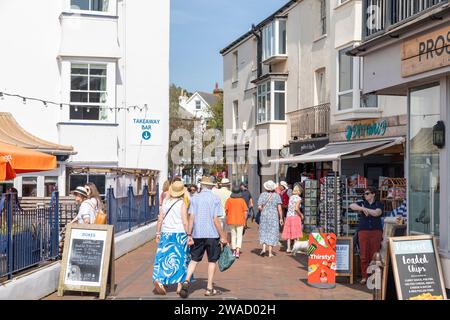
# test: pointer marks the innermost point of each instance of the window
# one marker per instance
(323, 16)
(345, 80)
(50, 185)
(274, 39)
(235, 115)
(29, 187)
(271, 101)
(81, 180)
(349, 86)
(90, 5)
(88, 92)
(198, 104)
(320, 86)
(235, 66)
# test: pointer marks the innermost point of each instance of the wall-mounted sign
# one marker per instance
(360, 130)
(146, 131)
(427, 52)
(306, 146)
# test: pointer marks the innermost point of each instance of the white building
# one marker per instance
(100, 57)
(199, 102)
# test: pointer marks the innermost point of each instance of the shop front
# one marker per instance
(413, 59)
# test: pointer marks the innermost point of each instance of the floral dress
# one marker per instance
(269, 227)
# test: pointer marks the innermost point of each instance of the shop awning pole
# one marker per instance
(277, 172)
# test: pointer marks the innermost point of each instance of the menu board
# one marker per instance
(417, 269)
(322, 260)
(344, 257)
(88, 259)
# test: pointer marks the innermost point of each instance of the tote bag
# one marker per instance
(226, 258)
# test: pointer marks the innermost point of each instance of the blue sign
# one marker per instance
(358, 131)
(146, 135)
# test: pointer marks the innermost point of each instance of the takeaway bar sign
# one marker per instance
(427, 52)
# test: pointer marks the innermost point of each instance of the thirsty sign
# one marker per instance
(417, 269)
(322, 260)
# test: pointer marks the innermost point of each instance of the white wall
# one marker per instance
(38, 44)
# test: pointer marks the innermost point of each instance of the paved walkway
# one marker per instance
(251, 277)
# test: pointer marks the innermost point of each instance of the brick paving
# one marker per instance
(251, 277)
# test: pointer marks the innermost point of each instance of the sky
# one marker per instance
(201, 28)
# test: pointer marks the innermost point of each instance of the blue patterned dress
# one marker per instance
(269, 227)
(172, 259)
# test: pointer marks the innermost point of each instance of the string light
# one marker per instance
(46, 103)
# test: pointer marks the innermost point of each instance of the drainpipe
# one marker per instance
(259, 50)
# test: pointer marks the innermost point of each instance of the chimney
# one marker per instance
(217, 91)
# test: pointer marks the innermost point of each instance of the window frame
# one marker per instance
(112, 9)
(323, 17)
(235, 115)
(356, 90)
(272, 48)
(198, 105)
(270, 109)
(235, 75)
(320, 94)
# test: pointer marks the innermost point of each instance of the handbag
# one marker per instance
(101, 218)
(226, 258)
(258, 215)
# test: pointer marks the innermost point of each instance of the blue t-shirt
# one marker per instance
(205, 206)
(370, 222)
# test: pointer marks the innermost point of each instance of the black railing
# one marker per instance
(379, 15)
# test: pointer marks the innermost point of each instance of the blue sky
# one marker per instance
(201, 28)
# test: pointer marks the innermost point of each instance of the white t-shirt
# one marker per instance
(87, 209)
(173, 223)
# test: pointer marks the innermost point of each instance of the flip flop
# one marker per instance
(262, 253)
(159, 289)
(212, 292)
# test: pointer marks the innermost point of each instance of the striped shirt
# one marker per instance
(205, 206)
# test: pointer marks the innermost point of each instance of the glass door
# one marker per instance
(424, 191)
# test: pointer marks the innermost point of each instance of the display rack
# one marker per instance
(310, 202)
(331, 204)
(392, 192)
(350, 217)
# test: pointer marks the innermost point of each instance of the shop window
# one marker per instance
(50, 185)
(29, 187)
(424, 166)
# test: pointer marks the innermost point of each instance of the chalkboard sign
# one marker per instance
(344, 257)
(417, 268)
(88, 259)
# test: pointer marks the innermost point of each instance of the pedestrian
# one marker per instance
(204, 235)
(247, 196)
(370, 230)
(86, 213)
(94, 197)
(164, 192)
(224, 194)
(172, 255)
(283, 192)
(187, 196)
(269, 203)
(236, 212)
(193, 190)
(293, 225)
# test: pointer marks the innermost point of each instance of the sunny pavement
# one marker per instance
(251, 277)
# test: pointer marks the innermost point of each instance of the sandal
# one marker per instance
(262, 253)
(184, 292)
(288, 251)
(159, 289)
(212, 292)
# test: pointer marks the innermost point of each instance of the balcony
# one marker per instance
(383, 15)
(310, 121)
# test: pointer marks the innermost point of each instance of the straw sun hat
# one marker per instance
(207, 181)
(177, 189)
(81, 191)
(270, 185)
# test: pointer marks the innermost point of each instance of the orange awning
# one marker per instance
(6, 171)
(23, 160)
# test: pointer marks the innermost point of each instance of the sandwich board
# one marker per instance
(344, 257)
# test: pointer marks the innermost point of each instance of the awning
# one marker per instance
(13, 134)
(19, 160)
(343, 150)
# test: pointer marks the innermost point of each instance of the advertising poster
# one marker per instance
(322, 260)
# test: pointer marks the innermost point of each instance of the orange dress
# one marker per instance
(236, 208)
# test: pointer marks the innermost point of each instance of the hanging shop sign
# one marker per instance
(361, 130)
(322, 260)
(428, 52)
(302, 147)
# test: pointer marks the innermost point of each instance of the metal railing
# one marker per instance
(27, 237)
(309, 121)
(132, 211)
(30, 237)
(379, 15)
